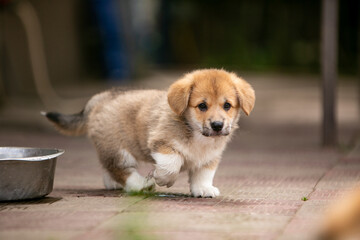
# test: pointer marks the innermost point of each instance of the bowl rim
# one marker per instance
(57, 152)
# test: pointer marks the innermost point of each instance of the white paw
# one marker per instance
(110, 183)
(149, 185)
(205, 191)
(137, 183)
(163, 178)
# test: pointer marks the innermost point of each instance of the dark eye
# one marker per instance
(227, 106)
(202, 107)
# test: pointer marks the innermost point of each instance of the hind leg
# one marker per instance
(109, 182)
(121, 168)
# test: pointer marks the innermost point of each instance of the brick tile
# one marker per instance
(37, 234)
(53, 220)
(209, 222)
(73, 203)
(266, 170)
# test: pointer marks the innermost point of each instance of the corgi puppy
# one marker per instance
(183, 129)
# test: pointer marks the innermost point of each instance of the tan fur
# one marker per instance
(343, 218)
(80, 130)
(179, 93)
(245, 92)
(164, 150)
(212, 165)
(148, 122)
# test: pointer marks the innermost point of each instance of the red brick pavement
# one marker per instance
(271, 164)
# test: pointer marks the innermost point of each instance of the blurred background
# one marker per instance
(53, 53)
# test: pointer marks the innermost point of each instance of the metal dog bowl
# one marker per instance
(26, 172)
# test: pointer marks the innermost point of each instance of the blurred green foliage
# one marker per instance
(254, 35)
(259, 35)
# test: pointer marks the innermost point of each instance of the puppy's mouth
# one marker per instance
(211, 133)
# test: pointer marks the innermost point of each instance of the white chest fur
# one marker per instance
(200, 150)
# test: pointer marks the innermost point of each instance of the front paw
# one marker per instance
(163, 178)
(137, 183)
(205, 191)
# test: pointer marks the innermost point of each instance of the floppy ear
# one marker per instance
(246, 94)
(179, 94)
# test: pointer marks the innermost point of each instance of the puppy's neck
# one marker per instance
(200, 150)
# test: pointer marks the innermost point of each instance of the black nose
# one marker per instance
(217, 126)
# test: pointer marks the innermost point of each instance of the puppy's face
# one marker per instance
(213, 105)
(211, 100)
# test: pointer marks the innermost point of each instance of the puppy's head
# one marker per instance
(211, 100)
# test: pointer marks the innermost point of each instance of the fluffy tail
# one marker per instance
(73, 125)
